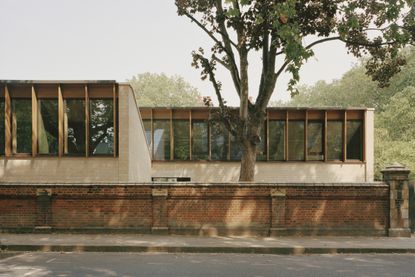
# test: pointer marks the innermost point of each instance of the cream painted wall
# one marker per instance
(280, 172)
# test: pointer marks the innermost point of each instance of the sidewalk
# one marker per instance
(193, 244)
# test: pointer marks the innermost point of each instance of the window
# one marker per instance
(161, 139)
(101, 127)
(276, 140)
(47, 126)
(200, 146)
(74, 127)
(335, 140)
(21, 125)
(296, 140)
(315, 149)
(147, 128)
(181, 135)
(219, 141)
(354, 140)
(261, 147)
(236, 150)
(2, 127)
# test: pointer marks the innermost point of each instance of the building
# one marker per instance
(81, 156)
(92, 131)
(71, 132)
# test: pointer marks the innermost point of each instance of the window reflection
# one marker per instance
(335, 140)
(236, 150)
(315, 150)
(74, 127)
(200, 148)
(21, 125)
(47, 126)
(161, 139)
(276, 140)
(219, 137)
(101, 127)
(147, 128)
(181, 135)
(296, 140)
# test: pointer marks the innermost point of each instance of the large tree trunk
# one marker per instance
(247, 173)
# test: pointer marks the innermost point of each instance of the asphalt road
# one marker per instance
(160, 264)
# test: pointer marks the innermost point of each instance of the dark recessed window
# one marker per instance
(335, 140)
(47, 126)
(21, 125)
(354, 140)
(200, 146)
(276, 140)
(2, 127)
(181, 135)
(315, 149)
(296, 140)
(161, 135)
(74, 127)
(219, 141)
(101, 127)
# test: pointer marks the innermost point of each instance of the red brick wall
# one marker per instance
(198, 209)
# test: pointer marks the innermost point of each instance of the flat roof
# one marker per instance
(16, 82)
(268, 108)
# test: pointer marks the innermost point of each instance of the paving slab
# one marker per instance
(195, 244)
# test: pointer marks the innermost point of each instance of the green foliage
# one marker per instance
(160, 90)
(394, 114)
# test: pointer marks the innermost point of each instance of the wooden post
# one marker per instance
(306, 136)
(86, 121)
(34, 122)
(115, 110)
(325, 137)
(345, 136)
(286, 135)
(8, 122)
(60, 121)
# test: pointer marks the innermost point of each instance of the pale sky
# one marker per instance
(116, 39)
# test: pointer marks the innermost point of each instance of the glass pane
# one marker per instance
(296, 140)
(261, 149)
(101, 127)
(236, 150)
(315, 149)
(2, 128)
(22, 125)
(335, 140)
(74, 127)
(47, 126)
(354, 140)
(181, 136)
(276, 140)
(200, 150)
(219, 137)
(147, 128)
(161, 139)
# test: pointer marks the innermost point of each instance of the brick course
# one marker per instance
(249, 209)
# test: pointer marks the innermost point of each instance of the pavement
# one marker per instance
(195, 244)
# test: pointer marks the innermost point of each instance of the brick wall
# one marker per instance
(204, 209)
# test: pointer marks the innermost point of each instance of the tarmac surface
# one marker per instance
(195, 244)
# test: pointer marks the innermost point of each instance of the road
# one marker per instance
(160, 264)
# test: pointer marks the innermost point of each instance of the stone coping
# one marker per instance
(194, 184)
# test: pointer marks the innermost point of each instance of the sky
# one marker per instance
(117, 39)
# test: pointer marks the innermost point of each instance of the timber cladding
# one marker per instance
(202, 209)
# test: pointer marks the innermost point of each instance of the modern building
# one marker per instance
(93, 131)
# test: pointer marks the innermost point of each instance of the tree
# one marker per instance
(278, 31)
(394, 113)
(160, 90)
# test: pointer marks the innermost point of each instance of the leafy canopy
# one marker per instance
(160, 90)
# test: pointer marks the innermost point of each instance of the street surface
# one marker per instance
(180, 265)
